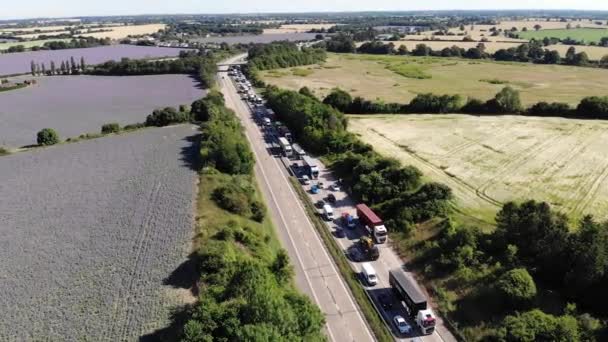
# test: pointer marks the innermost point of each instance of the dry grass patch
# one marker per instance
(298, 28)
(379, 77)
(119, 32)
(490, 160)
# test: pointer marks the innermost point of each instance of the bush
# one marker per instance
(134, 126)
(339, 99)
(234, 198)
(517, 287)
(3, 151)
(47, 136)
(550, 109)
(593, 107)
(110, 128)
(506, 101)
(165, 117)
(430, 103)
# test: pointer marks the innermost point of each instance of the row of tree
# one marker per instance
(246, 290)
(507, 101)
(527, 52)
(397, 192)
(76, 43)
(283, 55)
(68, 67)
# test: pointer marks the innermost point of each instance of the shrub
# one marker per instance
(339, 99)
(506, 101)
(110, 128)
(165, 117)
(593, 107)
(258, 211)
(3, 151)
(550, 109)
(47, 136)
(233, 198)
(134, 126)
(430, 103)
(517, 287)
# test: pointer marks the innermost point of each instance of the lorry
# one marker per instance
(284, 132)
(285, 147)
(407, 290)
(298, 151)
(372, 223)
(369, 250)
(311, 166)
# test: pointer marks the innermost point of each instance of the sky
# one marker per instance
(70, 8)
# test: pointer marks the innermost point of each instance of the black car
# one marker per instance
(320, 204)
(385, 301)
(331, 198)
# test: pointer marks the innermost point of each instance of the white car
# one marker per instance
(335, 187)
(305, 179)
(402, 325)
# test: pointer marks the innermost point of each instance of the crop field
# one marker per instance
(489, 160)
(90, 233)
(261, 38)
(297, 28)
(439, 45)
(29, 44)
(119, 32)
(528, 24)
(74, 105)
(16, 63)
(397, 78)
(582, 34)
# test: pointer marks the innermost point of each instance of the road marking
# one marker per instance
(297, 200)
(285, 224)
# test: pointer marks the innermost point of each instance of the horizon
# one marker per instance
(66, 9)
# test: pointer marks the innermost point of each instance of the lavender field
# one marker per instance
(90, 232)
(74, 105)
(262, 38)
(18, 63)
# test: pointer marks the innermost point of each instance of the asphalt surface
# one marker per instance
(316, 273)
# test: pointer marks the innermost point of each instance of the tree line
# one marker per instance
(75, 43)
(246, 290)
(397, 193)
(283, 55)
(67, 67)
(533, 248)
(507, 101)
(534, 52)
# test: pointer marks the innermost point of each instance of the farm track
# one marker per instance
(115, 220)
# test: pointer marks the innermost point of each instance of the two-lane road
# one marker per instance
(316, 273)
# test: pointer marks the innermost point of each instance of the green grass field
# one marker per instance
(400, 79)
(31, 43)
(582, 34)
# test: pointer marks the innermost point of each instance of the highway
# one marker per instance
(316, 274)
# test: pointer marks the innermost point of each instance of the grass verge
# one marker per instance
(372, 316)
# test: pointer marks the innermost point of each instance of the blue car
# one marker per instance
(314, 189)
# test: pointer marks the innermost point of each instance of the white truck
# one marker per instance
(311, 166)
(285, 147)
(298, 151)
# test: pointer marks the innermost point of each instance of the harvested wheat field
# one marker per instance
(400, 79)
(297, 28)
(493, 159)
(119, 32)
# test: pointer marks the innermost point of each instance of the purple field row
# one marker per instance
(74, 105)
(91, 233)
(17, 63)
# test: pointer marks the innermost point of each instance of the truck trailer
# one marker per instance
(311, 166)
(407, 290)
(285, 147)
(298, 151)
(372, 223)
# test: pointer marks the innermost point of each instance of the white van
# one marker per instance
(369, 273)
(328, 212)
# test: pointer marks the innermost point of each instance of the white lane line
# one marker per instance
(286, 227)
(297, 200)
